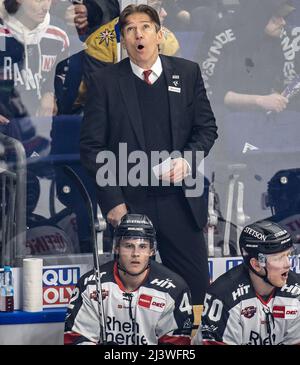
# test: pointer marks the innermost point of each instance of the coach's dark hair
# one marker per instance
(11, 6)
(142, 8)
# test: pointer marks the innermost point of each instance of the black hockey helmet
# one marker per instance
(284, 191)
(135, 226)
(263, 238)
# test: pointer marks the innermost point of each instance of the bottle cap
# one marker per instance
(6, 268)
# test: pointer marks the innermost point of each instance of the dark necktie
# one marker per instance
(146, 74)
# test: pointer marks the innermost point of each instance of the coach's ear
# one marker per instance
(122, 42)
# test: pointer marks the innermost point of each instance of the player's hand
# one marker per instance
(273, 102)
(114, 215)
(178, 172)
(3, 120)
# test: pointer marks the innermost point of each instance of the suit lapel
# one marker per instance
(173, 80)
(130, 98)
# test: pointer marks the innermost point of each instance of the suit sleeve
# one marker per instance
(204, 130)
(93, 143)
(175, 326)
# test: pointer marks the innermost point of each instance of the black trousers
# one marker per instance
(181, 243)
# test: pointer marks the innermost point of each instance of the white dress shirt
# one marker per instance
(156, 70)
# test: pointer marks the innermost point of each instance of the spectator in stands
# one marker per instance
(179, 17)
(188, 15)
(81, 18)
(32, 47)
(243, 67)
(290, 41)
(86, 15)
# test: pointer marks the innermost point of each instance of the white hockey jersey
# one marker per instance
(158, 312)
(234, 314)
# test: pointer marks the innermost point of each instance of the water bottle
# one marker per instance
(7, 291)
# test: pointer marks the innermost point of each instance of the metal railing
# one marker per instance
(13, 173)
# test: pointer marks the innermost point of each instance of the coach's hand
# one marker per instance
(114, 215)
(178, 172)
(3, 120)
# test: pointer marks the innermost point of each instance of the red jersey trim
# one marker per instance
(210, 342)
(71, 337)
(175, 340)
(267, 301)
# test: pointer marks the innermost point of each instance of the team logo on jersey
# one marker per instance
(106, 36)
(94, 294)
(153, 303)
(248, 312)
(287, 311)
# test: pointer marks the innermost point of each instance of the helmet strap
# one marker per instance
(264, 277)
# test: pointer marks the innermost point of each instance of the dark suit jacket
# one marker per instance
(112, 116)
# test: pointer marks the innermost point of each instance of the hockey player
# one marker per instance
(256, 303)
(144, 302)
